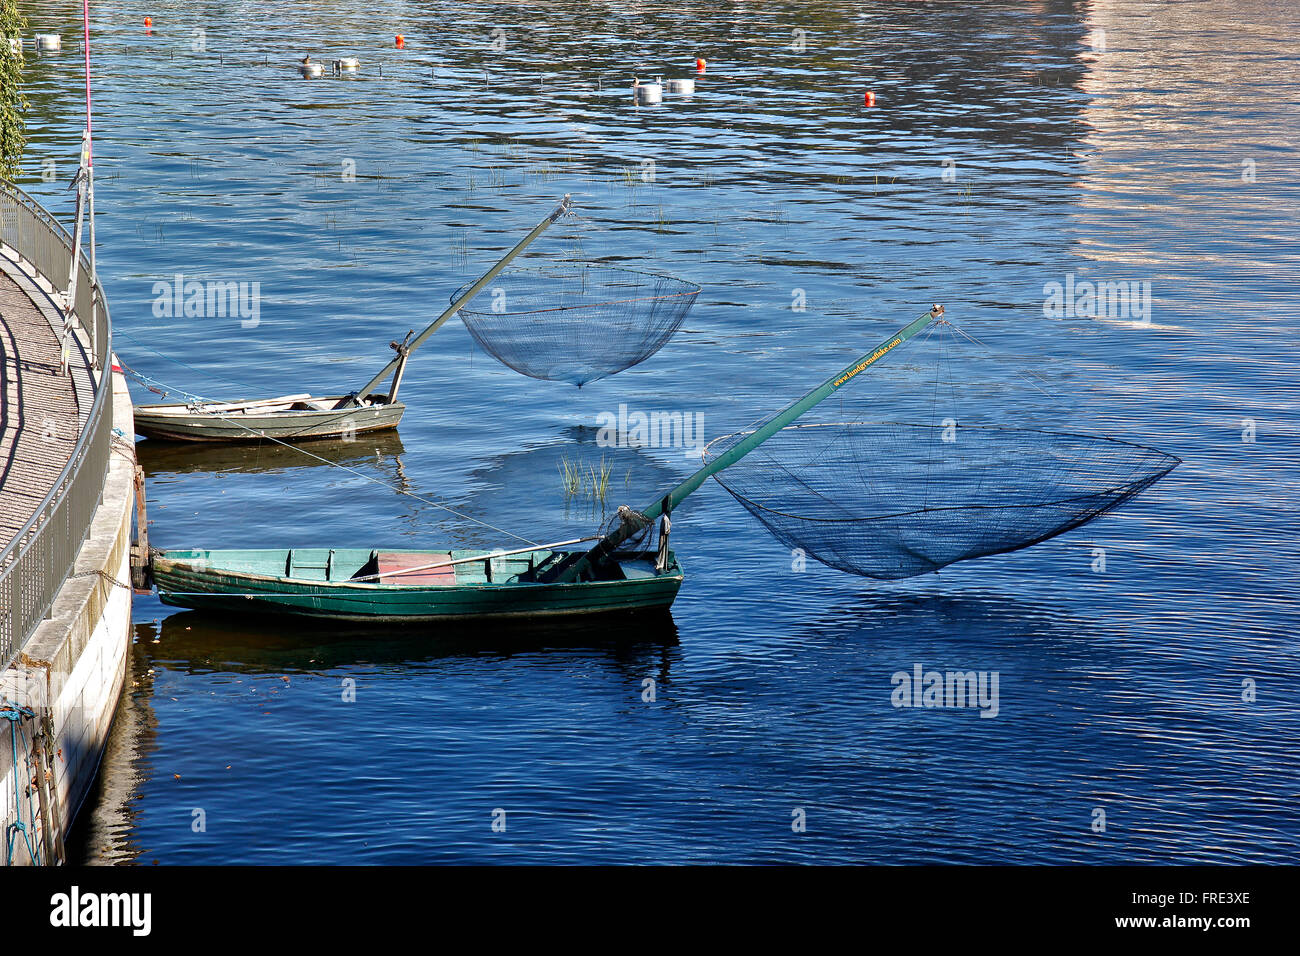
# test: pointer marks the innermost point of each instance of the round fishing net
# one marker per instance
(889, 500)
(577, 323)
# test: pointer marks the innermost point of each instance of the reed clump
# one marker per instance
(586, 480)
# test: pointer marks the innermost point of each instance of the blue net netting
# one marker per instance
(948, 450)
(889, 500)
(577, 323)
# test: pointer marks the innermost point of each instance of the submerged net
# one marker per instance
(891, 501)
(577, 323)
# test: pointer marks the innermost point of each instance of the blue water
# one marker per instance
(1163, 152)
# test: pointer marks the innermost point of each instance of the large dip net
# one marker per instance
(577, 323)
(934, 479)
(891, 500)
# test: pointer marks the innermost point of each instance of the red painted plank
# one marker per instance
(390, 562)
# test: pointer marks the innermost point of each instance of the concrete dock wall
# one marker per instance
(73, 667)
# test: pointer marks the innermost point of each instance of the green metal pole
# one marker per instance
(611, 541)
(469, 293)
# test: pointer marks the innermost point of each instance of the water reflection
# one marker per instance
(381, 451)
(201, 642)
(104, 833)
(237, 654)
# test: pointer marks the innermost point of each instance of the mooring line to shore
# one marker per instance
(176, 361)
(154, 384)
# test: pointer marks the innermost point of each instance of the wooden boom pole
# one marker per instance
(611, 541)
(460, 300)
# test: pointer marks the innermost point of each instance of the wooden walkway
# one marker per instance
(42, 412)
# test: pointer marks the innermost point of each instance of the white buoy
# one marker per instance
(346, 63)
(309, 69)
(683, 87)
(647, 94)
(48, 41)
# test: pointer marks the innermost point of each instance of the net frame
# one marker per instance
(563, 334)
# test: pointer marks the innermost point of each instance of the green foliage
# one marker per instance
(13, 26)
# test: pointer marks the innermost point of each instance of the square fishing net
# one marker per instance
(947, 470)
(577, 322)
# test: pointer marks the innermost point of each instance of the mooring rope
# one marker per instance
(176, 361)
(15, 713)
(151, 382)
(103, 574)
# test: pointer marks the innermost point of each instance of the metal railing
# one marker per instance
(41, 556)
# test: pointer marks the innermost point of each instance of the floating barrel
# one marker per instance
(311, 69)
(684, 87)
(647, 93)
(48, 41)
(346, 63)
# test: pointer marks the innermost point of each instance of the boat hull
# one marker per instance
(241, 582)
(256, 421)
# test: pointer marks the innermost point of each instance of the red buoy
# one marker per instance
(870, 98)
(700, 64)
(401, 41)
(148, 21)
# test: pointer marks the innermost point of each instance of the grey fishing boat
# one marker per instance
(306, 416)
(288, 418)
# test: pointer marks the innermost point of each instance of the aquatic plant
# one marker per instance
(586, 479)
(570, 477)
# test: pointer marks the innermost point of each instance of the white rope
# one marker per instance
(1022, 370)
(359, 474)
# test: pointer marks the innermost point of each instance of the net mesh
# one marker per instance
(921, 469)
(643, 531)
(889, 500)
(577, 323)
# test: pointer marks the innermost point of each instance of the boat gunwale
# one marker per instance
(184, 410)
(328, 586)
(296, 425)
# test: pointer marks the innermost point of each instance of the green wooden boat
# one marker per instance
(538, 582)
(298, 417)
(353, 584)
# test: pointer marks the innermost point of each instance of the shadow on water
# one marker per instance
(894, 614)
(629, 473)
(975, 628)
